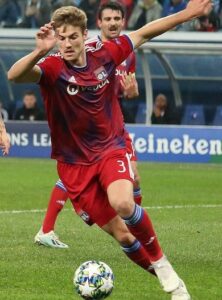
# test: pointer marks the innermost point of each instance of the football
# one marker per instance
(93, 280)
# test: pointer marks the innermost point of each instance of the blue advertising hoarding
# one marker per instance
(177, 143)
(152, 143)
(29, 139)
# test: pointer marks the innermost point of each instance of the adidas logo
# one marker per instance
(150, 240)
(72, 79)
(61, 202)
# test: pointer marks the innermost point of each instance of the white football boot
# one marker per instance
(49, 239)
(181, 292)
(168, 278)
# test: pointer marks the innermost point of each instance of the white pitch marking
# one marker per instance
(31, 211)
(184, 206)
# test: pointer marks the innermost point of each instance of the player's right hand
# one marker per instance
(4, 142)
(45, 38)
(129, 85)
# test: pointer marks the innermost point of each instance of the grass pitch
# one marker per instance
(185, 204)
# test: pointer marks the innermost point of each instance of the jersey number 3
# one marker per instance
(122, 166)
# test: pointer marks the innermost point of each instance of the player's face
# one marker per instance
(111, 23)
(71, 43)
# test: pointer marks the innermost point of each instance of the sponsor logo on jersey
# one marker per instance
(119, 72)
(101, 73)
(73, 89)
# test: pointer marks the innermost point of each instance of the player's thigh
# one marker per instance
(120, 195)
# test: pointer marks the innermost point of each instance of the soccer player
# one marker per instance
(111, 22)
(87, 130)
(4, 140)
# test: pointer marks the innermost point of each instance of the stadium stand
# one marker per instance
(185, 67)
(193, 115)
(217, 120)
(141, 113)
(5, 92)
(11, 93)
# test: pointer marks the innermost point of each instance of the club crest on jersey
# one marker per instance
(101, 73)
(84, 216)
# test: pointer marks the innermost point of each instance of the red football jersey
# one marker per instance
(126, 67)
(82, 108)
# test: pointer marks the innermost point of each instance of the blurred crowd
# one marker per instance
(35, 13)
(28, 109)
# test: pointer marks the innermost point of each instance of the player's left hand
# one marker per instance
(4, 142)
(129, 85)
(46, 38)
(199, 8)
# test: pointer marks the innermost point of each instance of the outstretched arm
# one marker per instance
(195, 8)
(25, 69)
(4, 140)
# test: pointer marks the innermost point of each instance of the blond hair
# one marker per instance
(69, 15)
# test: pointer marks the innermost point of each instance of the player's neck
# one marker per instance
(103, 38)
(80, 61)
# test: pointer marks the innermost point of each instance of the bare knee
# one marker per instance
(124, 207)
(120, 195)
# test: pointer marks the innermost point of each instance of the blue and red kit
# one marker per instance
(83, 113)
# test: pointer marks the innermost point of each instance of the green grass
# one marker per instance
(190, 235)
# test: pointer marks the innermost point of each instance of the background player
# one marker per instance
(87, 129)
(111, 22)
(4, 139)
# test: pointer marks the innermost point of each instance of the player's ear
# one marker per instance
(85, 34)
(98, 23)
(123, 23)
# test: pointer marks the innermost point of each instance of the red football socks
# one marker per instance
(139, 256)
(141, 227)
(57, 200)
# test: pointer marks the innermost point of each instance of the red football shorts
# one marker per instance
(87, 184)
(129, 147)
